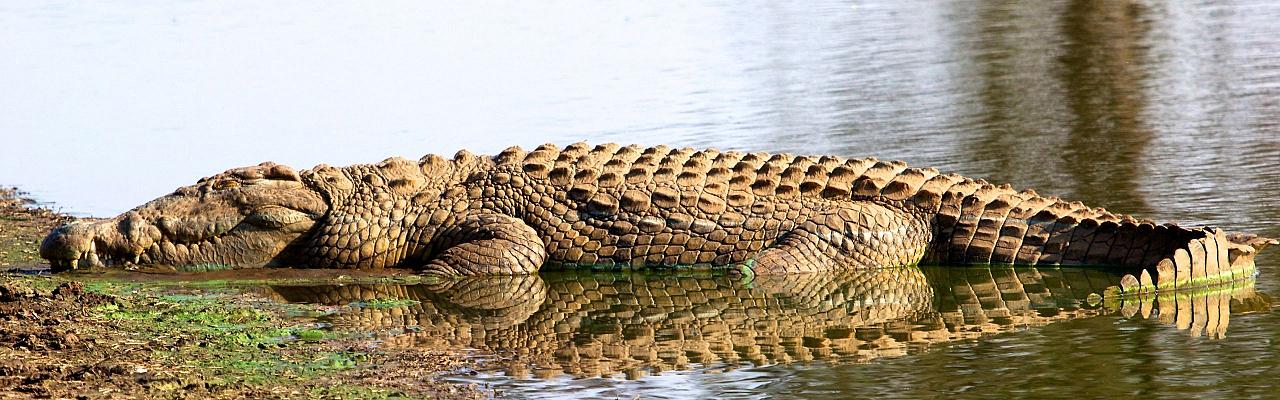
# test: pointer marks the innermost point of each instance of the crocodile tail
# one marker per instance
(976, 222)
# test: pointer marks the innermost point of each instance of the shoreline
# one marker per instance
(22, 225)
(100, 335)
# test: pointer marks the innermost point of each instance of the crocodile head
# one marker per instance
(243, 217)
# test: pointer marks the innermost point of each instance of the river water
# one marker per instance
(1167, 110)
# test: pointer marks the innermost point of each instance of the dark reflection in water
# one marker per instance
(1021, 117)
(635, 325)
(1103, 76)
(1062, 99)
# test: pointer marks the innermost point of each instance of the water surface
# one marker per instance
(1168, 110)
(670, 335)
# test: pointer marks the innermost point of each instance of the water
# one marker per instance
(613, 335)
(1168, 110)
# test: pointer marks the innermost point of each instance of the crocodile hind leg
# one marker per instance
(857, 235)
(487, 244)
(801, 250)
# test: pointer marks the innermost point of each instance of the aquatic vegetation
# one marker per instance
(384, 303)
(229, 337)
(214, 337)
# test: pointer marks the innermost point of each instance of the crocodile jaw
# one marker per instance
(241, 218)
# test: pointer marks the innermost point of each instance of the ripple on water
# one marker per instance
(595, 335)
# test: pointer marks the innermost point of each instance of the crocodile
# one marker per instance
(610, 206)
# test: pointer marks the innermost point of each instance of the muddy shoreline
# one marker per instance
(94, 335)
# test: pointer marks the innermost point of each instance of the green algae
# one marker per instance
(311, 335)
(1211, 283)
(1115, 300)
(203, 268)
(238, 344)
(233, 339)
(382, 303)
(41, 283)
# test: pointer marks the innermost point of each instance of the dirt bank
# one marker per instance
(96, 336)
(21, 228)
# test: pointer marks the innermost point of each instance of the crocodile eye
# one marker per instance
(226, 184)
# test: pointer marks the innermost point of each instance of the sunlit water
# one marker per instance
(1168, 110)
(699, 334)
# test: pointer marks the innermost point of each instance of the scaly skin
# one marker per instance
(614, 206)
(633, 323)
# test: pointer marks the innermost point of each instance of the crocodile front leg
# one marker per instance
(487, 244)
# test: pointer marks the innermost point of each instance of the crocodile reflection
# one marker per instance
(637, 324)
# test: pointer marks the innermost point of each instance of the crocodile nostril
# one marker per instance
(60, 245)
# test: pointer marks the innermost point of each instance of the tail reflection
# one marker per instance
(1001, 298)
(636, 324)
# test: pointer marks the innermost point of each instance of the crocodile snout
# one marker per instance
(117, 241)
(68, 244)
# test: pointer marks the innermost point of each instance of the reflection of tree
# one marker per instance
(1103, 75)
(601, 325)
(1071, 127)
(1022, 117)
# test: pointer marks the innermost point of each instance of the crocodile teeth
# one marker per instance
(92, 259)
